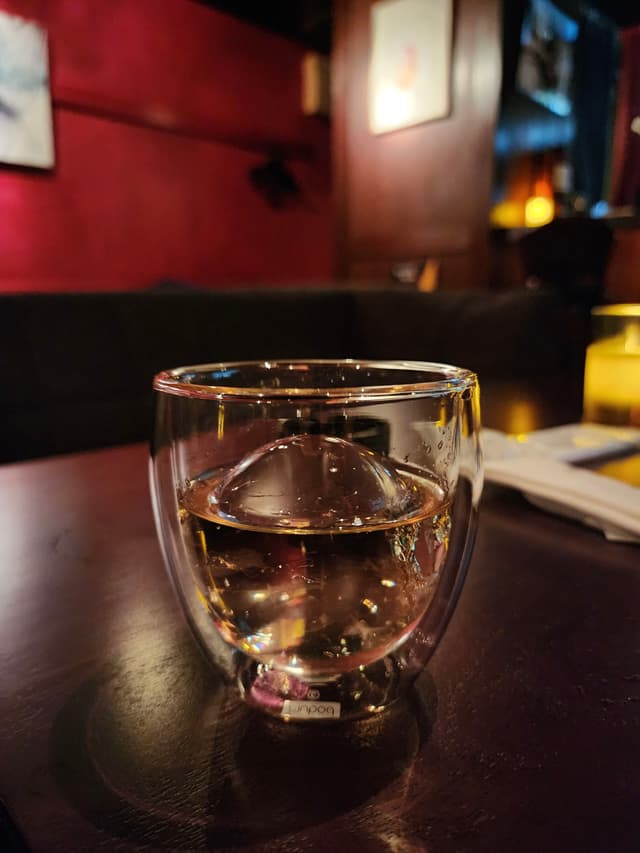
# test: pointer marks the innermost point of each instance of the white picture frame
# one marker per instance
(26, 127)
(410, 63)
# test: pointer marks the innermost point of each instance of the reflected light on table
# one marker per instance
(627, 470)
(521, 417)
(612, 368)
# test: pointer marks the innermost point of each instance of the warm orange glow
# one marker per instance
(539, 210)
(508, 214)
(527, 192)
(521, 418)
(428, 281)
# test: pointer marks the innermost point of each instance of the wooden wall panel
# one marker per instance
(423, 191)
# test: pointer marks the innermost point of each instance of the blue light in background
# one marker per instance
(562, 25)
(535, 133)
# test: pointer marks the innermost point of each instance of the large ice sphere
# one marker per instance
(315, 482)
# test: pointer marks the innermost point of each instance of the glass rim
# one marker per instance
(452, 379)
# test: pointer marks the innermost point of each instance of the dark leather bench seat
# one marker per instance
(76, 369)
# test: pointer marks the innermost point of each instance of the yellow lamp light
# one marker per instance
(612, 367)
(539, 210)
(507, 214)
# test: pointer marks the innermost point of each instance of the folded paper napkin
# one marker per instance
(533, 465)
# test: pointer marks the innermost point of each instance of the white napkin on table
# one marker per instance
(594, 499)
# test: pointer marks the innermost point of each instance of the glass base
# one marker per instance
(359, 693)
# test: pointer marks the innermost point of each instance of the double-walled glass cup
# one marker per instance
(317, 519)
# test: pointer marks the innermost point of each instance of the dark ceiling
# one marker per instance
(625, 13)
(310, 21)
(305, 21)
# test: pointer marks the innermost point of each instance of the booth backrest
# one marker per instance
(76, 369)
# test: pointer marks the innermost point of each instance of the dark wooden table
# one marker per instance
(115, 734)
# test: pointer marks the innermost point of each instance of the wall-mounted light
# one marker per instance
(316, 84)
(276, 183)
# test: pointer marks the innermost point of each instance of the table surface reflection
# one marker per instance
(523, 734)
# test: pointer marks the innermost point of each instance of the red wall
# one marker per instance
(155, 195)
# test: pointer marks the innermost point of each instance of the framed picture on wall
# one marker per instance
(545, 67)
(410, 64)
(26, 131)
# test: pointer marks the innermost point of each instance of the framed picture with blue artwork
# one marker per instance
(545, 69)
(26, 129)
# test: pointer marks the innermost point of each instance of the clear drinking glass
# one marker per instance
(317, 519)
